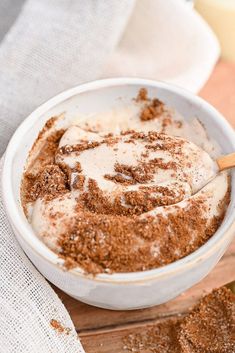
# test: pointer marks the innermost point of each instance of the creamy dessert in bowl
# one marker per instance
(121, 204)
(124, 197)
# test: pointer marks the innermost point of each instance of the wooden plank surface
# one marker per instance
(101, 331)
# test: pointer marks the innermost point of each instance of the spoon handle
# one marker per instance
(226, 162)
(231, 286)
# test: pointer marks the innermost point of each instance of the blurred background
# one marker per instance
(220, 14)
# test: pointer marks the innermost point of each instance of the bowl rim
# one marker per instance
(223, 233)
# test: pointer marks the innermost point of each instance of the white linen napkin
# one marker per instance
(52, 46)
(166, 40)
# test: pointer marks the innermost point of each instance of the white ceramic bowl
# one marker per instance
(120, 290)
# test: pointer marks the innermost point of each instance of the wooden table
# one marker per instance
(101, 331)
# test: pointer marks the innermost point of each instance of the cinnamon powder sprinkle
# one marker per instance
(49, 183)
(160, 338)
(142, 95)
(140, 174)
(67, 149)
(43, 176)
(57, 326)
(79, 182)
(152, 109)
(106, 242)
(119, 179)
(208, 328)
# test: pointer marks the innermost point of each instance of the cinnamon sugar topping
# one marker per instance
(107, 242)
(51, 182)
(142, 95)
(153, 108)
(85, 145)
(208, 328)
(56, 325)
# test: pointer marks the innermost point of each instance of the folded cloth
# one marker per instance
(166, 40)
(52, 46)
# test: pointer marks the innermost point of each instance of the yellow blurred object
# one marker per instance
(220, 14)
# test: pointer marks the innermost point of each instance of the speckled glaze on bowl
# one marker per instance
(120, 290)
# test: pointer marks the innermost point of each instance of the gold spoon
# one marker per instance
(226, 162)
(231, 286)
